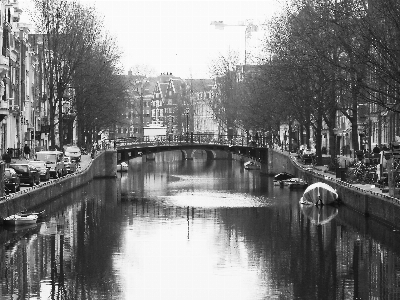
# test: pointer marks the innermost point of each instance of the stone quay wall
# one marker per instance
(103, 165)
(380, 206)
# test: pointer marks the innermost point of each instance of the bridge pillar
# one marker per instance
(123, 156)
(150, 156)
(187, 154)
(264, 168)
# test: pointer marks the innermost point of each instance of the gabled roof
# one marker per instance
(166, 81)
(163, 88)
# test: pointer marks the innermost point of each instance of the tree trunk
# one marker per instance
(60, 121)
(51, 123)
(318, 139)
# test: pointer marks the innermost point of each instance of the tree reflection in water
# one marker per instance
(94, 244)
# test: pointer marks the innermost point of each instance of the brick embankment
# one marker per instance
(104, 164)
(366, 199)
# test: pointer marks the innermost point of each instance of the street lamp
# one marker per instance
(187, 124)
(220, 25)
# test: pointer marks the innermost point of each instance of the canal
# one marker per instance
(197, 229)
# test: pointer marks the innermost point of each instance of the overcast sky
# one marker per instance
(176, 36)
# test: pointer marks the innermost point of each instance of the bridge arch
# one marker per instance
(213, 151)
(188, 154)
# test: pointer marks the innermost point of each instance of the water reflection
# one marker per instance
(187, 231)
(319, 215)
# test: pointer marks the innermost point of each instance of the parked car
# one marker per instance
(74, 152)
(11, 180)
(40, 165)
(54, 162)
(26, 173)
(307, 156)
(69, 164)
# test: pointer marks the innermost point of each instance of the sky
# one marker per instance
(177, 36)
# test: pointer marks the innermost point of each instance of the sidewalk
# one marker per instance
(323, 170)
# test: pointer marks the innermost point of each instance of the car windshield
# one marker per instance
(48, 158)
(39, 164)
(21, 168)
(72, 149)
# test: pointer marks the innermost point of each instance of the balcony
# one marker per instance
(4, 65)
(3, 109)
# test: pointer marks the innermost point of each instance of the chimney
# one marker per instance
(130, 73)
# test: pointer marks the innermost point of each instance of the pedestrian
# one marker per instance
(7, 159)
(27, 151)
(376, 150)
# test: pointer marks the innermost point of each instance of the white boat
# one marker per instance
(122, 167)
(319, 193)
(21, 219)
(251, 165)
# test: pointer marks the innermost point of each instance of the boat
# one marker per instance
(21, 219)
(24, 218)
(296, 183)
(319, 215)
(251, 165)
(122, 167)
(320, 193)
(283, 176)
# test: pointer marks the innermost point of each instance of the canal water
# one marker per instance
(173, 229)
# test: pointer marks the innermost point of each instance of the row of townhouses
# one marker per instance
(176, 104)
(24, 110)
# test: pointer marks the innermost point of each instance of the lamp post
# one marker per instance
(249, 28)
(187, 124)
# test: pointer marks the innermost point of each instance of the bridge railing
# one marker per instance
(192, 138)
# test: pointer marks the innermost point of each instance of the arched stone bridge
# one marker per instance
(213, 151)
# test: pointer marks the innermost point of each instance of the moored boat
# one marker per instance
(251, 165)
(21, 219)
(283, 176)
(296, 183)
(122, 167)
(320, 193)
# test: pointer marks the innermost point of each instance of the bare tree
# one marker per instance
(69, 33)
(101, 94)
(225, 102)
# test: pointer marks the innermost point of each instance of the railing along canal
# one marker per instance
(193, 138)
